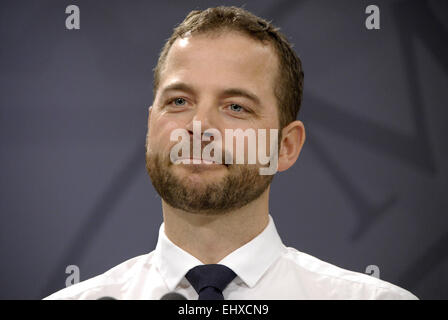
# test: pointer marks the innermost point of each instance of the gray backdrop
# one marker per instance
(370, 187)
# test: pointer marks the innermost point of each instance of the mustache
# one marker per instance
(209, 156)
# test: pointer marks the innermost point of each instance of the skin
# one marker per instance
(209, 65)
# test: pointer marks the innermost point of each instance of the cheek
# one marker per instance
(264, 140)
(160, 131)
(267, 140)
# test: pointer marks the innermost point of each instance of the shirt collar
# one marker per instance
(249, 262)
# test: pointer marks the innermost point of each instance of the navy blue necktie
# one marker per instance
(209, 280)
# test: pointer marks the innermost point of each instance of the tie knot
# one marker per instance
(217, 276)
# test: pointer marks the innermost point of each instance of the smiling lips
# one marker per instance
(206, 163)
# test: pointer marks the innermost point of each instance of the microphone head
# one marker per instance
(173, 296)
(106, 298)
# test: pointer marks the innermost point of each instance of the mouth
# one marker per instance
(196, 162)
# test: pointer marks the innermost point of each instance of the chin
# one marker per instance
(192, 176)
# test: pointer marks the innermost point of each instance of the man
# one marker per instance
(225, 69)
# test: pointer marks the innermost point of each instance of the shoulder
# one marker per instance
(107, 283)
(328, 281)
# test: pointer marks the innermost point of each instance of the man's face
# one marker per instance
(225, 81)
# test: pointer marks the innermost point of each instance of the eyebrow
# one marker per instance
(230, 92)
(237, 92)
(178, 86)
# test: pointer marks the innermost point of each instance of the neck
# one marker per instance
(210, 238)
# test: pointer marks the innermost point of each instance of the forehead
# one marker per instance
(222, 59)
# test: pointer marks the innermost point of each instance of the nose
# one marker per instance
(206, 115)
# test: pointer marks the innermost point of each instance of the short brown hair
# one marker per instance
(289, 88)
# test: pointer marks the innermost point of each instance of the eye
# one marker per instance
(179, 101)
(236, 107)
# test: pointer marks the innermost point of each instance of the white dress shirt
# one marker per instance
(265, 268)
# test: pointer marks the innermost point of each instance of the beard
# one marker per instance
(241, 185)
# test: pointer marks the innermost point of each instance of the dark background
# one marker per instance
(370, 186)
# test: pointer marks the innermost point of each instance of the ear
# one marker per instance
(293, 138)
(149, 113)
(149, 118)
